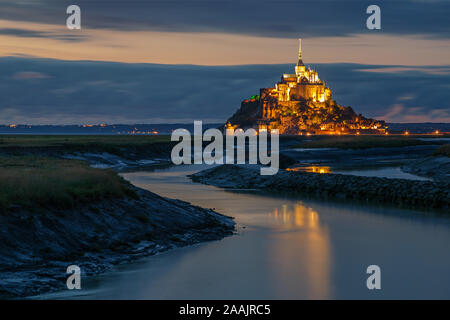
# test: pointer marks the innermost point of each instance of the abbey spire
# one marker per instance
(300, 67)
(300, 61)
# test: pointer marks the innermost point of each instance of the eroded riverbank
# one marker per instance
(36, 247)
(285, 248)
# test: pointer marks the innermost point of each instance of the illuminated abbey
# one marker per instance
(301, 102)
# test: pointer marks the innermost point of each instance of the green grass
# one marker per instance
(362, 142)
(443, 150)
(38, 182)
(99, 143)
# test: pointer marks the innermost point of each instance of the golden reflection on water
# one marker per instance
(309, 246)
(315, 169)
(299, 216)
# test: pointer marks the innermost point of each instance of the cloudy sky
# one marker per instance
(176, 61)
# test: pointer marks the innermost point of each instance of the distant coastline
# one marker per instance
(164, 129)
(101, 129)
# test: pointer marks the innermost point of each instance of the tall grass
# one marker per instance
(34, 182)
(114, 144)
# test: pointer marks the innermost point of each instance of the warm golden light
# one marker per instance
(314, 169)
(320, 169)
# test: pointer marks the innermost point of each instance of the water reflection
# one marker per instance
(296, 216)
(380, 172)
(315, 169)
(306, 251)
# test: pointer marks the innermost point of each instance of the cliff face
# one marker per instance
(296, 117)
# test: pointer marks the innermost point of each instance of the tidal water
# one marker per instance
(388, 172)
(285, 248)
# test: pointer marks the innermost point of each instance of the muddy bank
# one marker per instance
(437, 167)
(398, 192)
(350, 158)
(37, 246)
(119, 158)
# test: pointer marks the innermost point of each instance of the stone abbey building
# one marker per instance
(298, 103)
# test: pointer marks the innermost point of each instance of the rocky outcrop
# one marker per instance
(300, 102)
(295, 117)
(398, 192)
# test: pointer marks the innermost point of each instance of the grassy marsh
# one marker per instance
(364, 141)
(114, 144)
(34, 182)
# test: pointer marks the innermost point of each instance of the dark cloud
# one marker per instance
(86, 92)
(395, 93)
(25, 33)
(28, 75)
(262, 18)
(22, 33)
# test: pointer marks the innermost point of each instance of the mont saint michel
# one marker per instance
(301, 103)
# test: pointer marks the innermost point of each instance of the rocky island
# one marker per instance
(301, 103)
